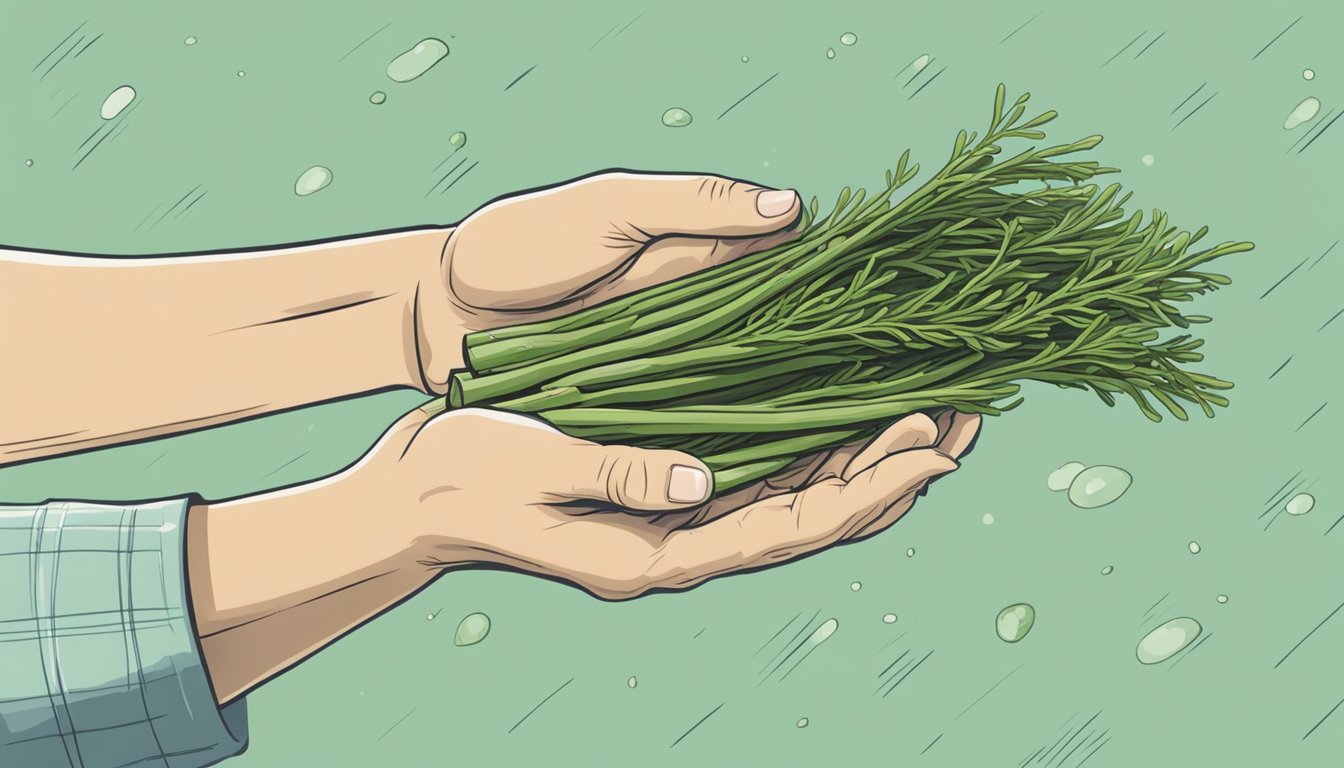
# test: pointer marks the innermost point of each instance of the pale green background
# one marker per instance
(818, 125)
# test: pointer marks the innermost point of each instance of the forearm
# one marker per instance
(275, 578)
(226, 337)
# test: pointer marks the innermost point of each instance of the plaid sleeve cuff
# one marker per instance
(100, 666)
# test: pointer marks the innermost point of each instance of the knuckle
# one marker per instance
(606, 182)
(616, 472)
(702, 186)
(712, 188)
(623, 582)
(926, 431)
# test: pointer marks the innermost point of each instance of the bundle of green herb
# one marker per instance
(943, 300)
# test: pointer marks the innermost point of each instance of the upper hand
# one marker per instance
(535, 255)
(477, 487)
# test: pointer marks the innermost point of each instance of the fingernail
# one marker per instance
(775, 202)
(686, 485)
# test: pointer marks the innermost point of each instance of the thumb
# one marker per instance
(640, 479)
(708, 206)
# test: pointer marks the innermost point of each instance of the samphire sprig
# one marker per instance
(993, 271)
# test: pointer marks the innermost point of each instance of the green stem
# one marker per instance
(790, 447)
(732, 478)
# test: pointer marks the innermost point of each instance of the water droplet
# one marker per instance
(1015, 622)
(890, 618)
(802, 722)
(457, 140)
(849, 38)
(823, 632)
(116, 101)
(1308, 74)
(919, 64)
(1107, 570)
(190, 40)
(417, 61)
(312, 180)
(856, 586)
(1167, 640)
(28, 163)
(377, 97)
(745, 59)
(676, 117)
(1098, 486)
(910, 552)
(632, 682)
(988, 519)
(1222, 598)
(472, 630)
(1302, 112)
(241, 73)
(1061, 478)
(1147, 159)
(830, 53)
(1194, 547)
(1300, 504)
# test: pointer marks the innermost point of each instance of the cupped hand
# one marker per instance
(535, 255)
(484, 488)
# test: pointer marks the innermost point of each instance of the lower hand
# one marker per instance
(477, 487)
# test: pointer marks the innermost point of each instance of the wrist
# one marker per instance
(420, 279)
(433, 331)
(251, 557)
(408, 482)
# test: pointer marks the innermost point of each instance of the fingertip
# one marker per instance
(944, 421)
(936, 463)
(774, 203)
(962, 432)
(689, 481)
(976, 426)
(942, 465)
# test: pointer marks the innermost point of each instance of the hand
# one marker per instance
(487, 488)
(537, 255)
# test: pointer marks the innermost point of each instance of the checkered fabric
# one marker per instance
(99, 661)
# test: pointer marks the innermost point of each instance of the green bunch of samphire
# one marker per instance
(943, 300)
